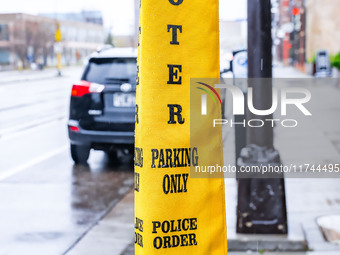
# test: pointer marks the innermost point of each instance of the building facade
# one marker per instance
(323, 27)
(291, 33)
(94, 17)
(26, 39)
(305, 27)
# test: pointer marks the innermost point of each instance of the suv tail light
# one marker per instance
(74, 129)
(84, 87)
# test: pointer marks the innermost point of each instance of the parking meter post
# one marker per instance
(59, 63)
(176, 213)
(261, 207)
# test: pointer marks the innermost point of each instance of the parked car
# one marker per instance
(102, 107)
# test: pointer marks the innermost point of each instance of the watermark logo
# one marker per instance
(209, 90)
(281, 99)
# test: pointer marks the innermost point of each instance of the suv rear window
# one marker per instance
(110, 70)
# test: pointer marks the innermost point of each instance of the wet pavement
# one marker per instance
(47, 204)
(113, 234)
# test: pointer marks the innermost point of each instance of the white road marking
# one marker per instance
(33, 162)
(13, 131)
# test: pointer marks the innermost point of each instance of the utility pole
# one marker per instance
(261, 201)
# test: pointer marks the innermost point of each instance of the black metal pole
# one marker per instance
(260, 66)
(261, 204)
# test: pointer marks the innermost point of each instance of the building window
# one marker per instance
(4, 33)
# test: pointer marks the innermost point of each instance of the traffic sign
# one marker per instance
(58, 36)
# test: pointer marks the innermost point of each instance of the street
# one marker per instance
(47, 204)
(170, 127)
(50, 206)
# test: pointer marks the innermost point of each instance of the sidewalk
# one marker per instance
(113, 234)
(7, 77)
(317, 141)
(307, 199)
(280, 71)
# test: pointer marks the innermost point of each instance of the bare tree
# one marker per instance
(47, 32)
(43, 41)
(19, 45)
(33, 37)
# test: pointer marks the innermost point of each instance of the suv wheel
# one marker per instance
(80, 153)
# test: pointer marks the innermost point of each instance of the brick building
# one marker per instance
(305, 27)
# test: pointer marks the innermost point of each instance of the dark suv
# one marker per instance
(102, 107)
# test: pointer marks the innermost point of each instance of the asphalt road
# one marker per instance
(47, 204)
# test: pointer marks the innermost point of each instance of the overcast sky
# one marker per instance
(118, 14)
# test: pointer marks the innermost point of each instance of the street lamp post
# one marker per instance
(261, 201)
